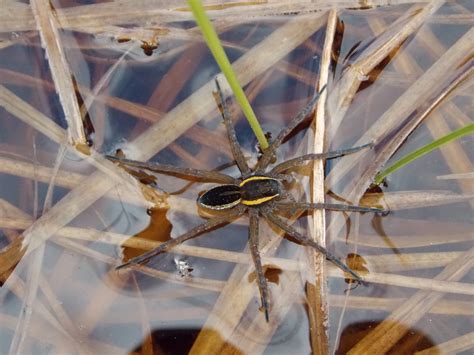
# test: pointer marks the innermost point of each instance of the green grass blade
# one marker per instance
(221, 58)
(469, 129)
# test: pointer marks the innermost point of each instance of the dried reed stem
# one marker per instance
(438, 125)
(405, 200)
(24, 292)
(453, 346)
(18, 17)
(169, 128)
(342, 95)
(447, 307)
(395, 326)
(377, 263)
(29, 115)
(317, 291)
(48, 27)
(240, 330)
(410, 100)
(459, 288)
(236, 296)
(460, 176)
(406, 103)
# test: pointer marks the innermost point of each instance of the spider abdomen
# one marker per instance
(252, 191)
(221, 197)
(256, 190)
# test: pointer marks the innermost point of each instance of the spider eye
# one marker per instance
(220, 197)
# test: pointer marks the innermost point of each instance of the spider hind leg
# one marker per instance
(253, 244)
(311, 243)
(193, 233)
(326, 206)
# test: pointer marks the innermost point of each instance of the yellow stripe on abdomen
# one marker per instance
(221, 207)
(255, 178)
(258, 201)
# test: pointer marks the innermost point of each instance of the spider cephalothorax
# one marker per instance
(257, 192)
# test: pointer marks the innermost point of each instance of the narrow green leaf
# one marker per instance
(221, 58)
(424, 150)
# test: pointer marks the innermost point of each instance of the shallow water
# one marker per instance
(64, 294)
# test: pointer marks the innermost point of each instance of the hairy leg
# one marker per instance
(193, 233)
(202, 175)
(292, 163)
(309, 242)
(270, 151)
(234, 144)
(253, 243)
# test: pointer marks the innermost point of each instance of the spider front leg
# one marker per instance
(295, 162)
(309, 242)
(202, 175)
(267, 157)
(196, 231)
(253, 243)
(234, 143)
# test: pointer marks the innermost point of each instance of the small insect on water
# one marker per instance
(258, 192)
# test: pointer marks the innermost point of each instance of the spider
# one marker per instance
(259, 192)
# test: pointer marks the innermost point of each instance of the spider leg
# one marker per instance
(203, 175)
(316, 156)
(309, 242)
(325, 206)
(196, 231)
(234, 143)
(270, 151)
(189, 184)
(289, 196)
(288, 178)
(253, 241)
